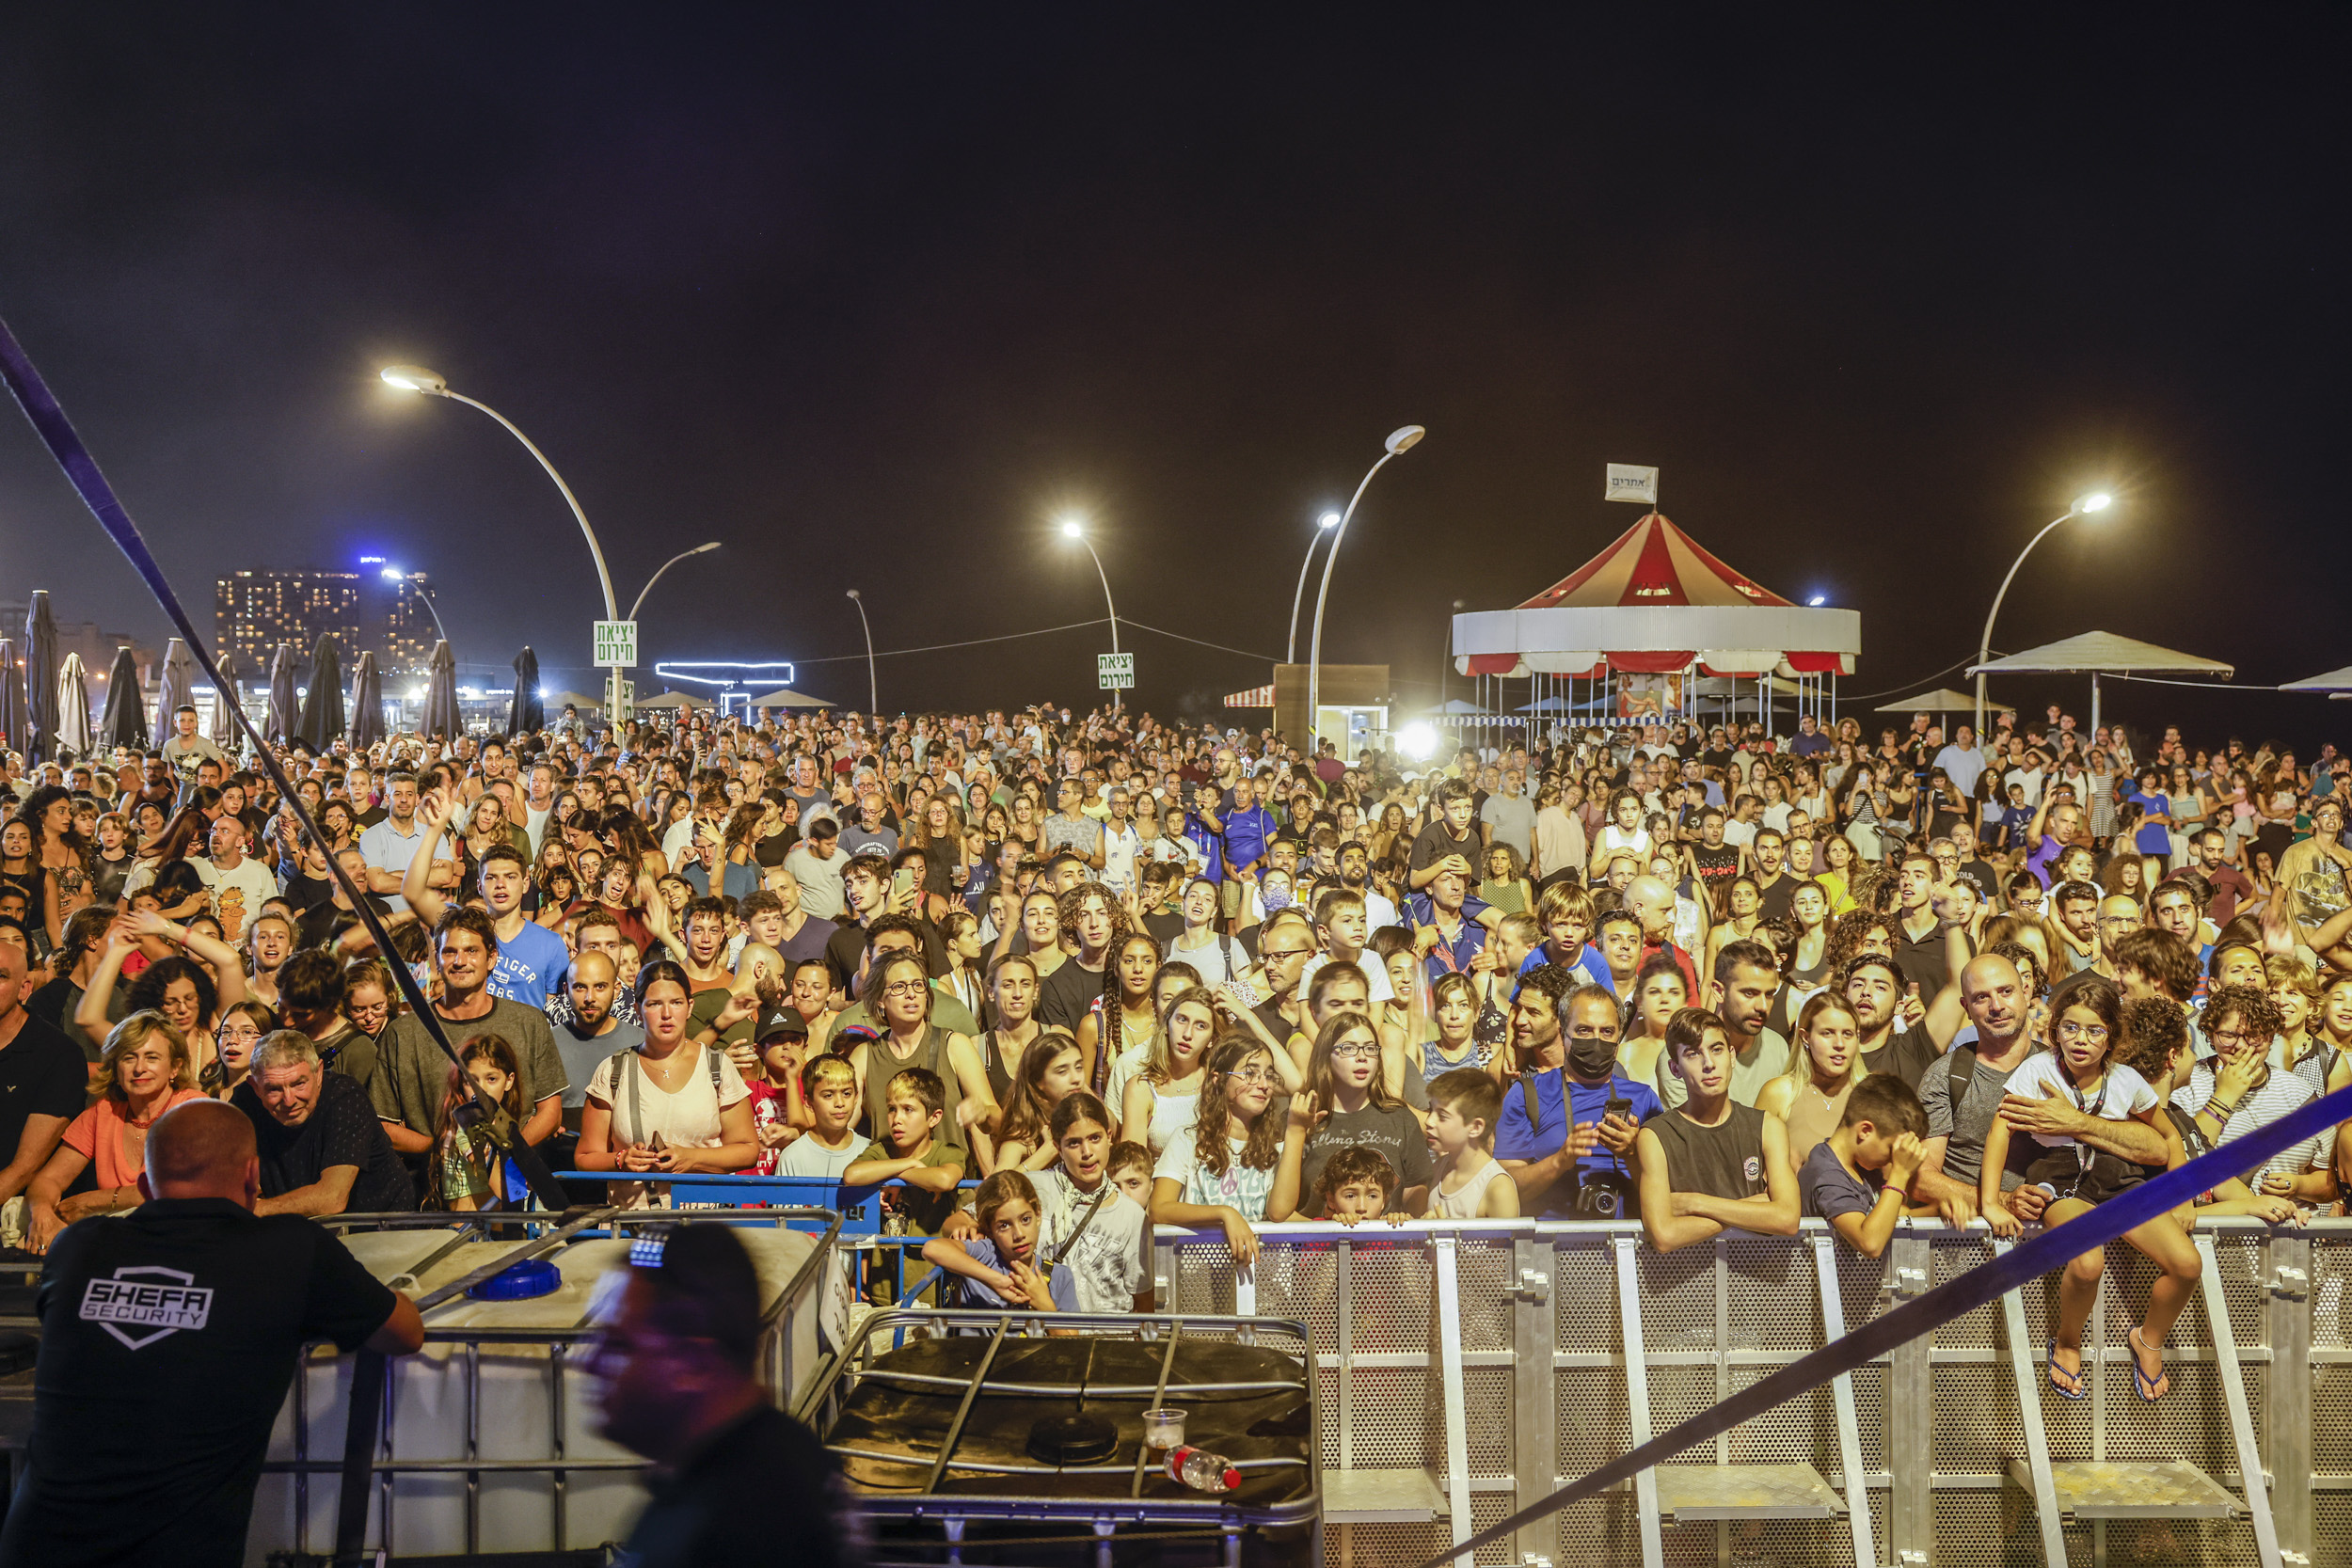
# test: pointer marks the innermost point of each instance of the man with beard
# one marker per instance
(1570, 1108)
(1998, 1004)
(1741, 993)
(1356, 875)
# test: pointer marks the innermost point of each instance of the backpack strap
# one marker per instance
(1962, 1072)
(624, 1061)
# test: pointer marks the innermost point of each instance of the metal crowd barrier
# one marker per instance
(1466, 1369)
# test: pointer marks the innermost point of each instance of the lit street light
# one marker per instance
(1402, 440)
(2098, 501)
(873, 683)
(1323, 525)
(1073, 528)
(416, 378)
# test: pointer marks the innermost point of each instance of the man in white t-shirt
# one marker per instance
(239, 885)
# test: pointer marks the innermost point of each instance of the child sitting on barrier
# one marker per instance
(1358, 1185)
(1002, 1266)
(911, 1152)
(828, 1147)
(1467, 1182)
(2078, 1073)
(1712, 1164)
(1850, 1175)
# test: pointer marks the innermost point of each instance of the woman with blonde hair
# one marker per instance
(1811, 1096)
(144, 1071)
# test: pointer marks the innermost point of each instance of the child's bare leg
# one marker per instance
(2078, 1285)
(2165, 1244)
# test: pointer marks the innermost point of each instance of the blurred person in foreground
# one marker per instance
(677, 1357)
(169, 1340)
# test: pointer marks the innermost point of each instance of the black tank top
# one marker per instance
(1725, 1161)
(882, 1066)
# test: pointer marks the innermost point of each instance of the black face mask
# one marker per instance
(1591, 1058)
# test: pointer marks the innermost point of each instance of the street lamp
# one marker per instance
(1323, 525)
(1073, 528)
(2097, 501)
(699, 549)
(416, 378)
(873, 684)
(393, 574)
(1402, 440)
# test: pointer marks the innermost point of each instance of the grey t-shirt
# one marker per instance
(412, 1075)
(1963, 1156)
(583, 1053)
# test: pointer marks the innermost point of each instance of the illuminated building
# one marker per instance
(374, 608)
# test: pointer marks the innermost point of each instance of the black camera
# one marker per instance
(1603, 1196)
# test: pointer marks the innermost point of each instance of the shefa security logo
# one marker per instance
(145, 1302)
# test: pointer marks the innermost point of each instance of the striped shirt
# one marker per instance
(2278, 1094)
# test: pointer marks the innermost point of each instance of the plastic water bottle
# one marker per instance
(1202, 1472)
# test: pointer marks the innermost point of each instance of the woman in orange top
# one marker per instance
(145, 1070)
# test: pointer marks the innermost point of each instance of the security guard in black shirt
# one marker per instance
(168, 1340)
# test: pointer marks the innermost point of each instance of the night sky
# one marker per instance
(874, 299)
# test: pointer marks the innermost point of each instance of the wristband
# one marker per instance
(2216, 1107)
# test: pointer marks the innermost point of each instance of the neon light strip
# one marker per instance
(678, 672)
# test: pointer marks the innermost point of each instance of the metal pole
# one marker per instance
(682, 555)
(1298, 595)
(873, 682)
(1984, 648)
(1322, 591)
(1114, 609)
(604, 577)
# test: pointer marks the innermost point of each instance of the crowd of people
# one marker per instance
(1050, 978)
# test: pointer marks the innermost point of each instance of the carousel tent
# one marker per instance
(1655, 603)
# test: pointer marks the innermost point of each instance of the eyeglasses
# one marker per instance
(1358, 1050)
(905, 987)
(2233, 1039)
(1254, 1075)
(2092, 1033)
(1272, 956)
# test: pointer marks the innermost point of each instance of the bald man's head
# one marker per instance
(203, 1148)
(1653, 902)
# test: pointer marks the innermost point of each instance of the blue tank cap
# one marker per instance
(533, 1276)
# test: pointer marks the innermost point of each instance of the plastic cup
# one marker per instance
(1163, 1428)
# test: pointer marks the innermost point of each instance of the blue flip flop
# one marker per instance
(2149, 1392)
(2072, 1388)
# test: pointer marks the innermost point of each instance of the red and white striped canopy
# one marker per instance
(1655, 602)
(1257, 696)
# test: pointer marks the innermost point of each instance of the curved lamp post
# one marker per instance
(699, 549)
(1402, 439)
(416, 378)
(1073, 528)
(1323, 525)
(393, 574)
(873, 684)
(2098, 501)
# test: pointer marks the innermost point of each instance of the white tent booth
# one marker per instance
(1648, 618)
(2337, 683)
(2103, 653)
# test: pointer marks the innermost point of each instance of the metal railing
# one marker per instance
(1490, 1357)
(789, 1360)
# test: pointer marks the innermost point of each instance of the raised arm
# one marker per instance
(415, 885)
(90, 1014)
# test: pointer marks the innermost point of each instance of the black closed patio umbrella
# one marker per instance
(527, 713)
(278, 724)
(367, 703)
(124, 721)
(12, 698)
(322, 722)
(441, 719)
(225, 733)
(40, 681)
